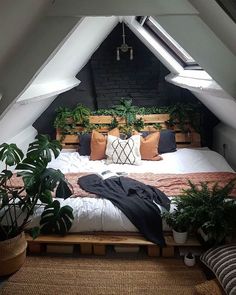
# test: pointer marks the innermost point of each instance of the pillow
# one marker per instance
(167, 143)
(84, 144)
(222, 262)
(99, 142)
(208, 288)
(148, 146)
(120, 151)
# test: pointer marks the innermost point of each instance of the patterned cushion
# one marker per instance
(121, 151)
(222, 262)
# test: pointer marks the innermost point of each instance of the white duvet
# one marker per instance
(100, 214)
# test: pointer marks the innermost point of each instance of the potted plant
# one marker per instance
(179, 221)
(19, 201)
(212, 211)
(189, 259)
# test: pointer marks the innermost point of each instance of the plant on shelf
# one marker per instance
(183, 115)
(19, 201)
(212, 210)
(67, 119)
(126, 110)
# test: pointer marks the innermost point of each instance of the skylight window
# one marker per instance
(168, 42)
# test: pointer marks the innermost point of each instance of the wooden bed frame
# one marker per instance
(95, 243)
(183, 139)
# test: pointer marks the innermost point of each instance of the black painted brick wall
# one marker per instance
(142, 78)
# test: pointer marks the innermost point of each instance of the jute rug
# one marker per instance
(103, 275)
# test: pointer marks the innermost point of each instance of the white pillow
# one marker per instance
(120, 151)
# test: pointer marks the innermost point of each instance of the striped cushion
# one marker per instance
(222, 261)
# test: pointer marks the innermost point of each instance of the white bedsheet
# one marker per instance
(100, 214)
(181, 161)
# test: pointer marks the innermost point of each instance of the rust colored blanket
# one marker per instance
(170, 184)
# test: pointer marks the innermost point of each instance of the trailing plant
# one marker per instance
(18, 203)
(67, 119)
(211, 209)
(157, 126)
(138, 124)
(185, 113)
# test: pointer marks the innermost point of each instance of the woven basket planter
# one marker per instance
(12, 254)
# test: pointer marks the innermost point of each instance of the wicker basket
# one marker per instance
(12, 254)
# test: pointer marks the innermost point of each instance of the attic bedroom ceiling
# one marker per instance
(40, 59)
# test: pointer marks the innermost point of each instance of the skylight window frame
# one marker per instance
(168, 43)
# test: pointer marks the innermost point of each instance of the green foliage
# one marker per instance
(210, 209)
(11, 154)
(126, 110)
(157, 126)
(138, 124)
(18, 204)
(179, 220)
(55, 219)
(67, 119)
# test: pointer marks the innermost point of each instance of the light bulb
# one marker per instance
(117, 54)
(131, 54)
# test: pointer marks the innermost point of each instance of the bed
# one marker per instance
(169, 175)
(168, 171)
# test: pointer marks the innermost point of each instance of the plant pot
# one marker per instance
(12, 254)
(180, 237)
(189, 261)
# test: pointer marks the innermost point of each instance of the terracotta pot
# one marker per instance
(12, 254)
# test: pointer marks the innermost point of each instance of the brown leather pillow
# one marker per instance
(99, 142)
(149, 146)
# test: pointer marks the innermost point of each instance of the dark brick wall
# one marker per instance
(142, 79)
(104, 80)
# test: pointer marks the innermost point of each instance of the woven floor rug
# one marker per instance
(103, 275)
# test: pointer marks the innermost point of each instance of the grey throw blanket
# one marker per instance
(135, 199)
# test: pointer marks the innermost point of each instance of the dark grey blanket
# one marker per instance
(135, 199)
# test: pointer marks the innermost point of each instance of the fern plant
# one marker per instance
(211, 209)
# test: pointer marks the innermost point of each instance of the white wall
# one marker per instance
(204, 46)
(16, 22)
(225, 143)
(20, 117)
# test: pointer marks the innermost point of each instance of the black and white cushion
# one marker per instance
(121, 151)
(222, 262)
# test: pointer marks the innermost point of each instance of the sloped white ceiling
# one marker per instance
(60, 41)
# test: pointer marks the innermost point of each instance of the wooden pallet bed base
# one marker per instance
(90, 243)
(96, 243)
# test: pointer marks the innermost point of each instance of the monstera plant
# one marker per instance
(31, 186)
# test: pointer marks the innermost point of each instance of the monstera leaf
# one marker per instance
(5, 175)
(43, 147)
(31, 172)
(11, 154)
(56, 219)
